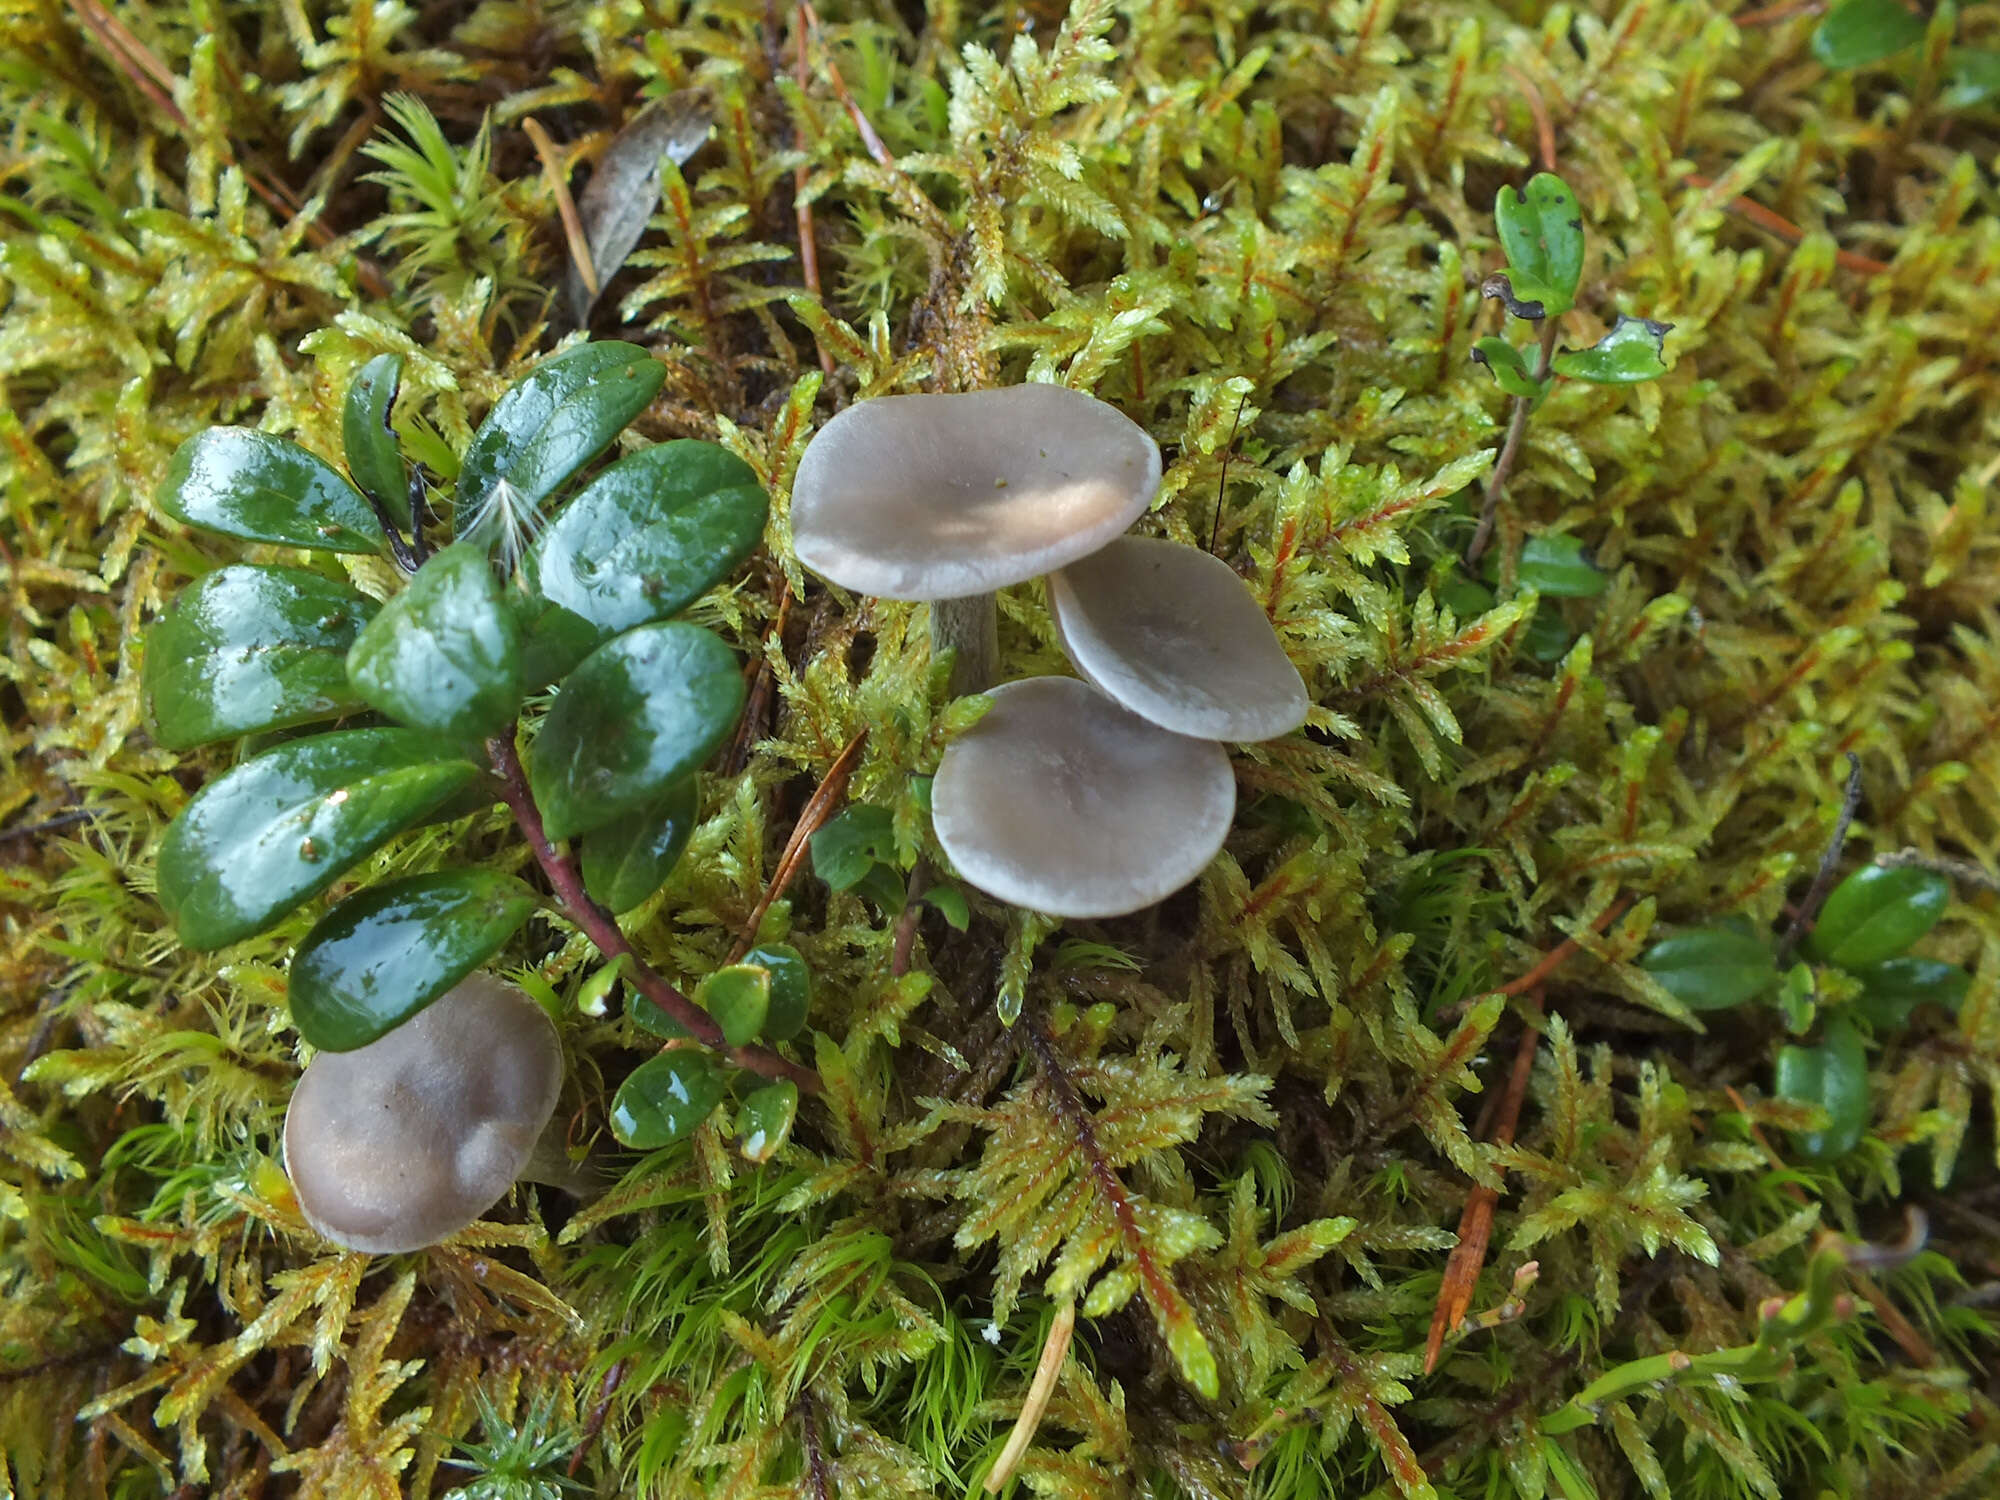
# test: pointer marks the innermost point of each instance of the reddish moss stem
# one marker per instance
(1517, 427)
(599, 926)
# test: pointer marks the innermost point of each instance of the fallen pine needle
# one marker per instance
(1055, 1348)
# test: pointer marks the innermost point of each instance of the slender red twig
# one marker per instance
(599, 926)
(817, 811)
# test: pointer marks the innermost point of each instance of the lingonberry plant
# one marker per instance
(412, 710)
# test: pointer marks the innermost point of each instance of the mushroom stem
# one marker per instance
(971, 627)
(551, 1165)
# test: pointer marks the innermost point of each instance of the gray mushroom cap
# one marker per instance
(1175, 636)
(1060, 801)
(397, 1144)
(944, 497)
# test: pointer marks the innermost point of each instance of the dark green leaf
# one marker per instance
(249, 649)
(1975, 79)
(642, 712)
(949, 903)
(1555, 567)
(852, 842)
(250, 484)
(286, 825)
(1509, 369)
(374, 458)
(651, 534)
(552, 422)
(1541, 231)
(649, 1016)
(1877, 913)
(1631, 352)
(1856, 33)
(764, 1122)
(1893, 988)
(739, 997)
(378, 958)
(626, 861)
(1833, 1075)
(665, 1100)
(445, 654)
(553, 641)
(1712, 968)
(791, 988)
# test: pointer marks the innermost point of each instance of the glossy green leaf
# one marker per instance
(1509, 369)
(378, 958)
(949, 902)
(764, 1120)
(626, 861)
(1877, 913)
(1541, 231)
(648, 1015)
(1856, 33)
(445, 654)
(248, 649)
(651, 534)
(791, 988)
(286, 825)
(374, 457)
(253, 485)
(554, 642)
(641, 713)
(549, 424)
(666, 1099)
(1634, 350)
(1893, 988)
(1833, 1075)
(1712, 968)
(739, 997)
(853, 842)
(1555, 567)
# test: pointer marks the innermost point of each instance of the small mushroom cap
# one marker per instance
(399, 1143)
(1061, 801)
(943, 497)
(1175, 636)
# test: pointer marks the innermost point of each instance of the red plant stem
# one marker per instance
(1504, 466)
(599, 926)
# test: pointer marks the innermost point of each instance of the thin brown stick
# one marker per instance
(816, 812)
(801, 205)
(1562, 953)
(906, 922)
(876, 150)
(1786, 230)
(598, 1413)
(1517, 427)
(579, 242)
(1829, 864)
(1055, 1348)
(1475, 1224)
(1545, 130)
(1771, 15)
(598, 925)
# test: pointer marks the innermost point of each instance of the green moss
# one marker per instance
(1239, 1131)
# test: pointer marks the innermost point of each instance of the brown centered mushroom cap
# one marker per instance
(399, 1143)
(944, 497)
(1176, 637)
(1062, 802)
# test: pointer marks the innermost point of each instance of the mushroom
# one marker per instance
(397, 1144)
(1063, 802)
(946, 498)
(1175, 636)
